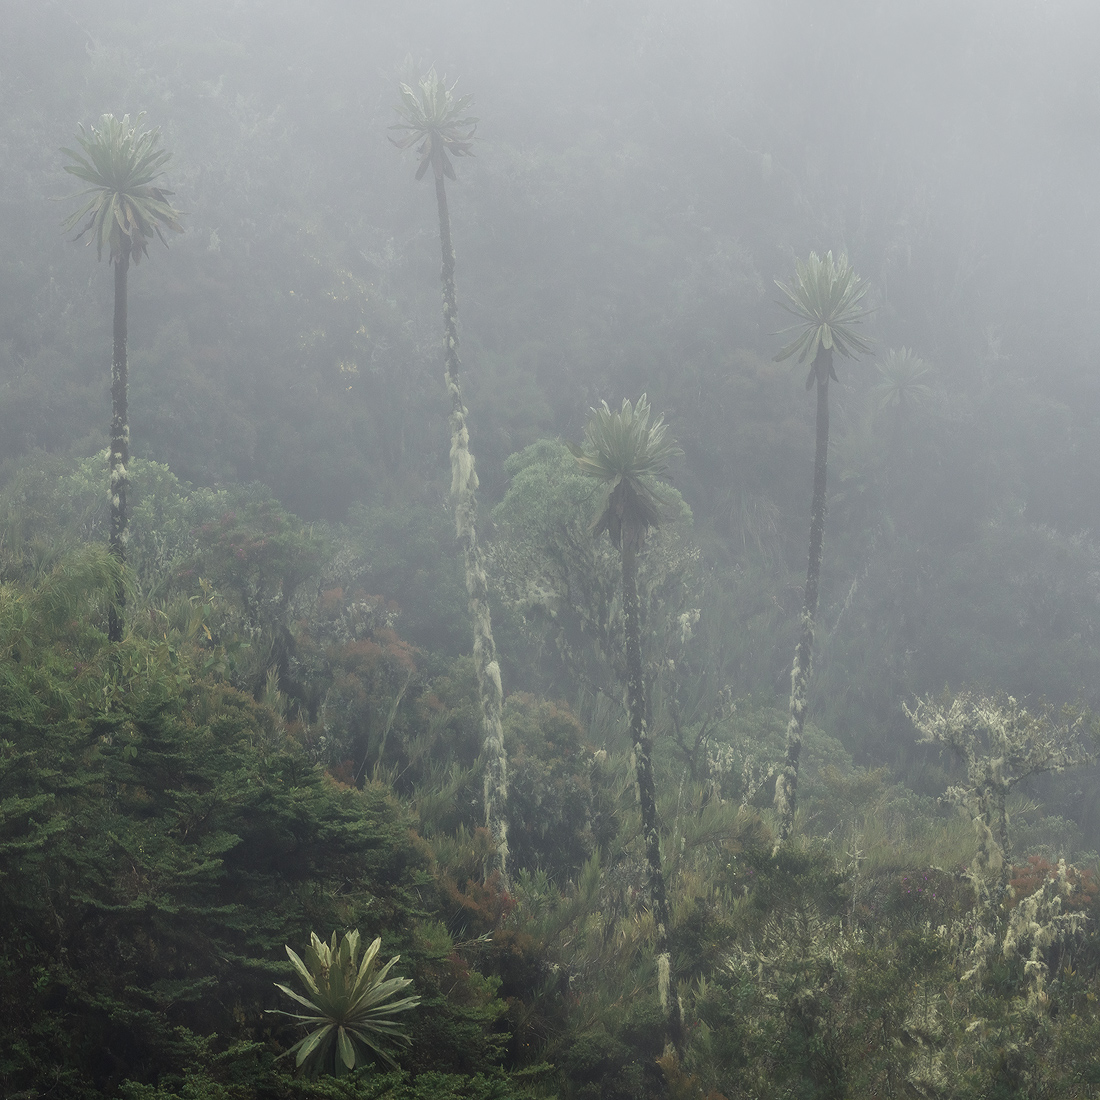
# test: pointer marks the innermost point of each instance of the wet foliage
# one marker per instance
(288, 740)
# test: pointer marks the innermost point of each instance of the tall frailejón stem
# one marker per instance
(787, 783)
(464, 499)
(119, 457)
(121, 209)
(647, 796)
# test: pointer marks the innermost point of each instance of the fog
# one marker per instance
(644, 175)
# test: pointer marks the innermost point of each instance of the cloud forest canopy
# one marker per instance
(287, 732)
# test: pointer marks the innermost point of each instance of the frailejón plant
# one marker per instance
(349, 1003)
(123, 208)
(433, 116)
(627, 451)
(826, 297)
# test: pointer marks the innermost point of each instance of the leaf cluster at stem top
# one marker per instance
(826, 297)
(626, 450)
(433, 116)
(124, 208)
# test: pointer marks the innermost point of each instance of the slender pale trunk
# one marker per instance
(119, 459)
(647, 797)
(787, 783)
(464, 499)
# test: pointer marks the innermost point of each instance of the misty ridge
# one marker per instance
(575, 575)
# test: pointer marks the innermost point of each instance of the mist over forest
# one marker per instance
(275, 662)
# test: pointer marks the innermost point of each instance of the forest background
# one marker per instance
(642, 177)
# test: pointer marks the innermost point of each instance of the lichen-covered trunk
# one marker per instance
(647, 797)
(119, 458)
(464, 500)
(786, 785)
(990, 871)
(1000, 799)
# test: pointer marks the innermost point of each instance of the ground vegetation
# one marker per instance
(287, 739)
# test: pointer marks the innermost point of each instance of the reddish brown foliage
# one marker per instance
(1029, 877)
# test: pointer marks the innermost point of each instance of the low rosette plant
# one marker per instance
(350, 1003)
